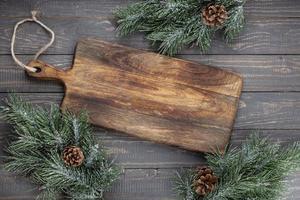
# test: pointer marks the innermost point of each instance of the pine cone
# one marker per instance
(73, 156)
(214, 15)
(205, 181)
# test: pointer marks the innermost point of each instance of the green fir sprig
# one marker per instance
(36, 152)
(178, 23)
(256, 171)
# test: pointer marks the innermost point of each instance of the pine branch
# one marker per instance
(229, 3)
(96, 155)
(170, 41)
(36, 152)
(256, 171)
(235, 23)
(184, 185)
(49, 194)
(174, 39)
(18, 112)
(175, 24)
(23, 163)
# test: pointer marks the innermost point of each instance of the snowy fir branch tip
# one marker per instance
(255, 171)
(175, 24)
(57, 151)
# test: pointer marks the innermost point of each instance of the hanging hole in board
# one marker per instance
(38, 69)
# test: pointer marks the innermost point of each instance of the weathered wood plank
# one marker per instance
(256, 111)
(134, 184)
(131, 152)
(157, 184)
(260, 36)
(95, 8)
(260, 72)
(273, 28)
(14, 78)
(15, 187)
(269, 110)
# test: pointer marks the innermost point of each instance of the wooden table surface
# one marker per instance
(267, 54)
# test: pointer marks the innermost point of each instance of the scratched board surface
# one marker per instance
(266, 54)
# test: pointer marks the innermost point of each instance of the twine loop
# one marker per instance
(44, 48)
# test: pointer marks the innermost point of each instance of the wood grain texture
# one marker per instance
(134, 153)
(262, 110)
(260, 36)
(96, 8)
(270, 100)
(263, 73)
(155, 97)
(134, 184)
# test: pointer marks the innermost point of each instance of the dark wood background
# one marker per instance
(267, 54)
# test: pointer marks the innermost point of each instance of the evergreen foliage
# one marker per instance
(254, 172)
(41, 136)
(178, 23)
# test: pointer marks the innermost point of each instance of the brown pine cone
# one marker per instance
(205, 181)
(73, 156)
(214, 15)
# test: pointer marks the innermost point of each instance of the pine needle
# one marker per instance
(256, 171)
(175, 24)
(40, 137)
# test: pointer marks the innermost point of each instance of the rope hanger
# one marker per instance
(42, 50)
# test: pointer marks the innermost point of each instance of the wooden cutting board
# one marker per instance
(151, 96)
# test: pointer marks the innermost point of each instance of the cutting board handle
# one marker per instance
(46, 71)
